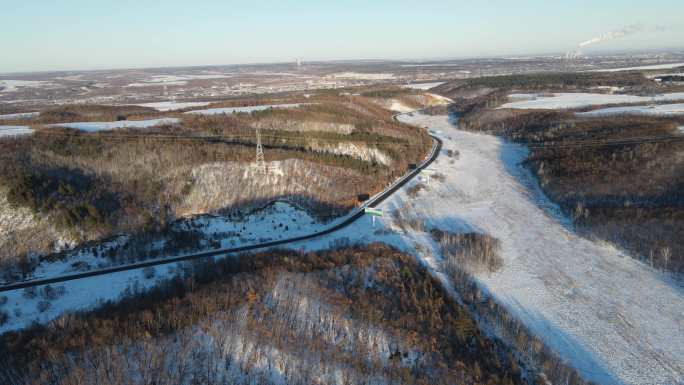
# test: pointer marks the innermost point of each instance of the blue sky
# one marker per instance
(80, 34)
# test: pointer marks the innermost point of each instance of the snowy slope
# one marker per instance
(232, 110)
(651, 67)
(276, 221)
(14, 130)
(173, 105)
(579, 100)
(21, 115)
(104, 126)
(655, 110)
(423, 86)
(612, 317)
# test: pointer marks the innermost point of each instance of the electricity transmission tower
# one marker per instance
(260, 163)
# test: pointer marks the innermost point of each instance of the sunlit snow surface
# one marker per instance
(579, 100)
(14, 130)
(105, 126)
(232, 110)
(277, 221)
(614, 318)
(21, 115)
(651, 67)
(423, 86)
(11, 85)
(654, 110)
(173, 105)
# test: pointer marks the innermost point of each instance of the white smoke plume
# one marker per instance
(629, 30)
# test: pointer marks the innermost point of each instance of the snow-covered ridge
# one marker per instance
(10, 85)
(611, 316)
(654, 110)
(248, 109)
(423, 86)
(172, 105)
(104, 126)
(363, 152)
(20, 115)
(649, 67)
(580, 100)
(14, 130)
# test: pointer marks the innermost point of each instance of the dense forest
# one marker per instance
(347, 316)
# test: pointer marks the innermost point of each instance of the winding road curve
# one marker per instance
(352, 217)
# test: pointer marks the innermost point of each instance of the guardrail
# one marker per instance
(357, 213)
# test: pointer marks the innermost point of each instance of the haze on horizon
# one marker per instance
(81, 35)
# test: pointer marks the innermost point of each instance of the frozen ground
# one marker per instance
(277, 221)
(233, 110)
(173, 105)
(423, 86)
(579, 100)
(655, 110)
(14, 130)
(105, 126)
(21, 115)
(651, 67)
(363, 76)
(10, 85)
(615, 319)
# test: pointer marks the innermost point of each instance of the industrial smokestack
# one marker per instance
(629, 30)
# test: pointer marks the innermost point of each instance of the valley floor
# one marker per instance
(614, 318)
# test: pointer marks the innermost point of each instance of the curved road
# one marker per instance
(356, 214)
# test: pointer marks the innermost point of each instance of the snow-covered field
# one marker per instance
(10, 85)
(14, 130)
(104, 126)
(579, 100)
(363, 76)
(21, 115)
(234, 110)
(175, 80)
(423, 86)
(173, 105)
(277, 221)
(655, 110)
(651, 67)
(614, 318)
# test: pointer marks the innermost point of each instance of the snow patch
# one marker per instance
(172, 105)
(649, 67)
(248, 109)
(654, 110)
(423, 86)
(104, 126)
(10, 85)
(21, 115)
(14, 130)
(579, 100)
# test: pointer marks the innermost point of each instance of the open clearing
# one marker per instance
(642, 68)
(235, 110)
(105, 126)
(655, 110)
(14, 130)
(173, 105)
(580, 99)
(614, 318)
